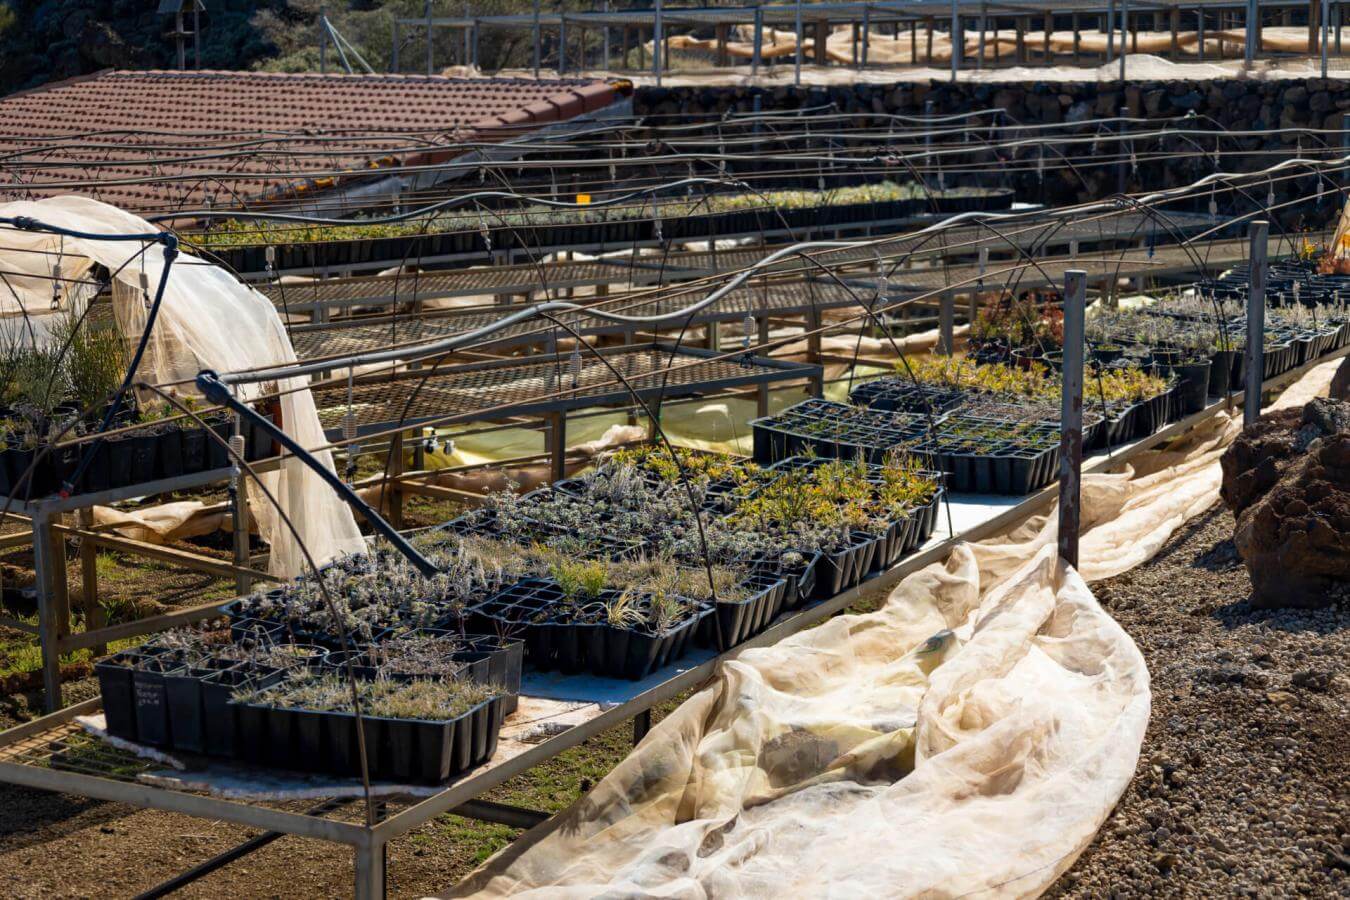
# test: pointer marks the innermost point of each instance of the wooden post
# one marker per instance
(93, 610)
(721, 34)
(1071, 415)
(47, 557)
(1256, 322)
(1020, 26)
(1077, 40)
(1175, 24)
(1200, 34)
(1049, 27)
(822, 33)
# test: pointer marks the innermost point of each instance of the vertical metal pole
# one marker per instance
(182, 47)
(197, 36)
(562, 42)
(867, 32)
(535, 26)
(1110, 29)
(946, 323)
(928, 139)
(958, 41)
(604, 39)
(1071, 415)
(657, 37)
(1322, 29)
(1251, 45)
(758, 46)
(370, 872)
(430, 45)
(797, 57)
(239, 515)
(395, 488)
(1124, 36)
(393, 48)
(558, 447)
(44, 559)
(1120, 148)
(1256, 322)
(979, 285)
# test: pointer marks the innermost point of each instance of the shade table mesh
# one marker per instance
(497, 391)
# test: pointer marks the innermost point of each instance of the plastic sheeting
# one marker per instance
(969, 737)
(207, 319)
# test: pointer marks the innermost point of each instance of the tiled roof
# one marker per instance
(241, 136)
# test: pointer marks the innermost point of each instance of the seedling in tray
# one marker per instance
(826, 428)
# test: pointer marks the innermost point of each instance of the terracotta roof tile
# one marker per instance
(229, 136)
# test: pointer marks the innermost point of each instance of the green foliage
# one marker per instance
(96, 359)
(580, 579)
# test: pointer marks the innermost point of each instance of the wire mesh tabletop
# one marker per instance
(552, 383)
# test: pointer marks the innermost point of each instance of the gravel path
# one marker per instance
(1243, 785)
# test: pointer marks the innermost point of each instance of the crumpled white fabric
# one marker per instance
(207, 319)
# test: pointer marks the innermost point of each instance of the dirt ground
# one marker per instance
(1243, 785)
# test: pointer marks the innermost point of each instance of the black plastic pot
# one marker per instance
(169, 452)
(1194, 385)
(119, 704)
(153, 725)
(193, 446)
(839, 570)
(183, 693)
(141, 447)
(220, 731)
(733, 622)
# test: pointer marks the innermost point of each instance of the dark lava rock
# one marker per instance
(1287, 480)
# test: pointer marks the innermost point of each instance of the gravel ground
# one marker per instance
(1243, 785)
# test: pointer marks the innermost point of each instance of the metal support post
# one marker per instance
(1124, 36)
(562, 43)
(1120, 147)
(797, 57)
(534, 26)
(393, 48)
(758, 45)
(1256, 322)
(657, 37)
(370, 873)
(1071, 415)
(395, 488)
(1253, 42)
(557, 428)
(946, 323)
(1110, 29)
(958, 40)
(239, 515)
(1322, 33)
(430, 32)
(867, 32)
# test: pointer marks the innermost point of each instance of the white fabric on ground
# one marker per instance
(207, 319)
